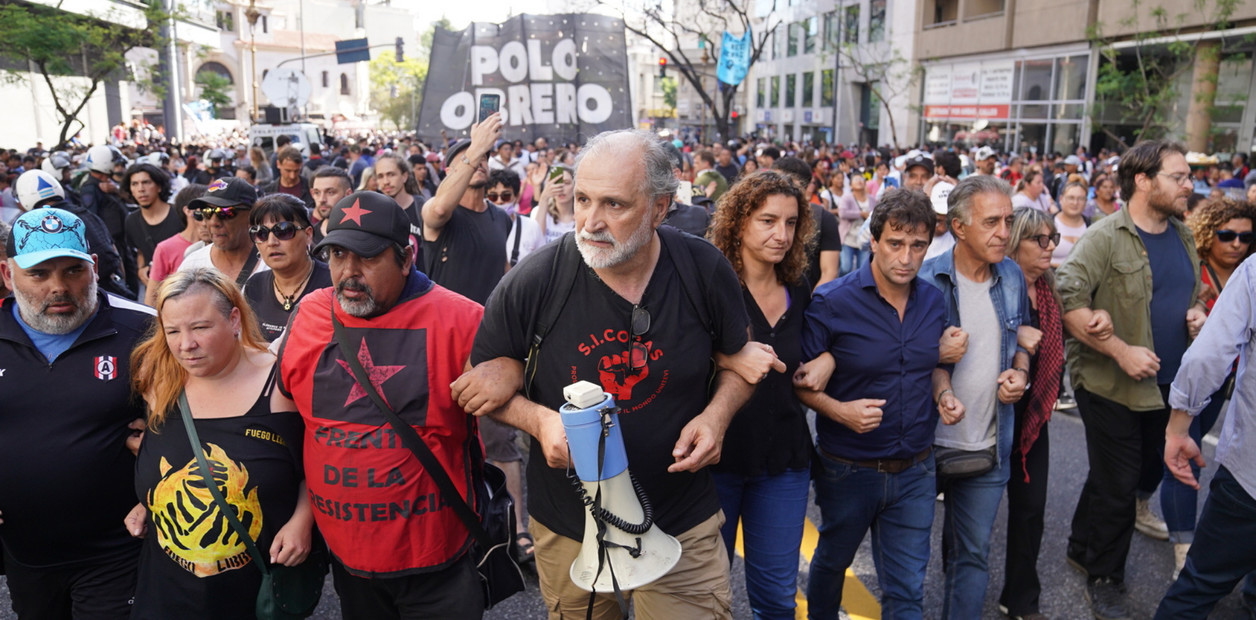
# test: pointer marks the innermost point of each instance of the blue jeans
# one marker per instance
(771, 510)
(850, 260)
(898, 508)
(1224, 552)
(971, 507)
(1179, 502)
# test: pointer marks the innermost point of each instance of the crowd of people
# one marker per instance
(187, 322)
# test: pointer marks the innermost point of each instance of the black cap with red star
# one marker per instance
(366, 223)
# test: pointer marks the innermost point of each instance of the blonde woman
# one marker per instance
(368, 181)
(555, 210)
(264, 174)
(205, 346)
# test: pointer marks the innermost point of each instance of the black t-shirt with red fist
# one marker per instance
(659, 378)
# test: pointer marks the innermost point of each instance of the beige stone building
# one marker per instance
(1021, 74)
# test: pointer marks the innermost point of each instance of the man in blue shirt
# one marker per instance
(877, 416)
(986, 297)
(1224, 549)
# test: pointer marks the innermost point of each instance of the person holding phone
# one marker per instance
(464, 235)
(555, 210)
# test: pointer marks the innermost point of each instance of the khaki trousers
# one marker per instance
(697, 587)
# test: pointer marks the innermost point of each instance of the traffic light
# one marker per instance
(401, 49)
(662, 66)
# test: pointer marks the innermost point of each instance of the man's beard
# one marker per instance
(1163, 202)
(619, 252)
(360, 308)
(36, 314)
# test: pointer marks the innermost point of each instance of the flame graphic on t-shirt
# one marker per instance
(190, 528)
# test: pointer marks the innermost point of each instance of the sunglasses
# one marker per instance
(1045, 241)
(504, 196)
(223, 213)
(1228, 236)
(638, 326)
(283, 231)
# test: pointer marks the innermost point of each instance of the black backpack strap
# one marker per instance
(518, 230)
(687, 270)
(247, 269)
(563, 272)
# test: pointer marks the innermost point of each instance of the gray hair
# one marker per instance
(660, 180)
(4, 238)
(960, 202)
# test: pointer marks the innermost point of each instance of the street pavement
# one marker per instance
(1147, 573)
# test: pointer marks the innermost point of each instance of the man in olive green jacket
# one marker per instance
(1140, 265)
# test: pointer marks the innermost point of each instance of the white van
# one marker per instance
(302, 135)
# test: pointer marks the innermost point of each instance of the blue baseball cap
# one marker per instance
(43, 234)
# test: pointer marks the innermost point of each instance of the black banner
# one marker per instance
(561, 77)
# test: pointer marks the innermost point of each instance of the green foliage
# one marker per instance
(396, 88)
(56, 43)
(1137, 85)
(214, 89)
(668, 85)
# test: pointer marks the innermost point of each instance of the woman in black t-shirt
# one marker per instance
(205, 345)
(763, 225)
(280, 227)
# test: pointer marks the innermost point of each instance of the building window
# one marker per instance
(808, 89)
(826, 88)
(326, 80)
(225, 21)
(830, 31)
(813, 32)
(775, 96)
(358, 16)
(344, 84)
(876, 21)
(794, 30)
(944, 12)
(762, 94)
(979, 8)
(791, 81)
(265, 24)
(852, 24)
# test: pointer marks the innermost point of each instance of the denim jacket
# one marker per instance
(1011, 302)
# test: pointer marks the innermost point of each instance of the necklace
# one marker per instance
(289, 300)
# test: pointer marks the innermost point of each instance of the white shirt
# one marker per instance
(200, 258)
(531, 238)
(941, 245)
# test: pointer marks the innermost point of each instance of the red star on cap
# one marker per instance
(377, 375)
(354, 213)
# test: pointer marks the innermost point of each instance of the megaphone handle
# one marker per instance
(610, 518)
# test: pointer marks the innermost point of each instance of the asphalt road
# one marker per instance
(1148, 570)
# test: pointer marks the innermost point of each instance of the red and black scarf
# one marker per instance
(1046, 380)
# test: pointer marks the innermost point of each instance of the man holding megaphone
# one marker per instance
(638, 309)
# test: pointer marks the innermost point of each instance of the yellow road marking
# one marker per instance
(859, 603)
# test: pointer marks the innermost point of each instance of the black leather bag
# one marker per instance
(953, 463)
(492, 532)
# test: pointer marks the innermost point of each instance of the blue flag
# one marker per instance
(734, 58)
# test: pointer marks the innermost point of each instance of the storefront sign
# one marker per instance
(969, 91)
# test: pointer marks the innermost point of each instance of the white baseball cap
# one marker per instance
(939, 196)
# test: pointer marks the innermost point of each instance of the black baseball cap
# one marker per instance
(366, 223)
(226, 192)
(920, 160)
